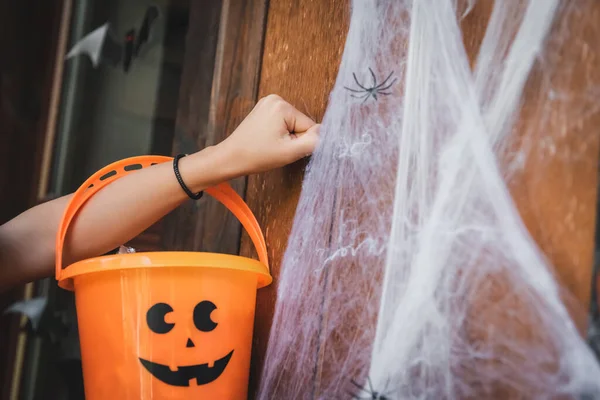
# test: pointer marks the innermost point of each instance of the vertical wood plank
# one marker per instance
(555, 186)
(234, 92)
(191, 126)
(302, 51)
(219, 88)
(555, 192)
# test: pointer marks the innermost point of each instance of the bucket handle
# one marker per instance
(223, 192)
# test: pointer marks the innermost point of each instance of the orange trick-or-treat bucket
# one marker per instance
(164, 325)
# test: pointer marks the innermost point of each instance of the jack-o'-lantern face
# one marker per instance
(156, 319)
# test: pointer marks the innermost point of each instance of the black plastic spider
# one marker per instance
(371, 393)
(373, 90)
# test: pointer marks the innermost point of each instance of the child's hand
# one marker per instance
(274, 134)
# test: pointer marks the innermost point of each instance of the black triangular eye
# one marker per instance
(155, 318)
(202, 318)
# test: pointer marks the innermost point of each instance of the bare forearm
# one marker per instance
(129, 205)
(26, 243)
(115, 215)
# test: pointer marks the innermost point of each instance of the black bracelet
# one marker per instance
(180, 180)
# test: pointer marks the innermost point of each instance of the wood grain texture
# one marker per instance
(234, 92)
(555, 185)
(216, 95)
(191, 126)
(302, 51)
(555, 192)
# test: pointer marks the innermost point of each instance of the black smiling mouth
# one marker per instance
(182, 376)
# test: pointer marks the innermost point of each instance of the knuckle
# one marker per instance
(281, 106)
(273, 98)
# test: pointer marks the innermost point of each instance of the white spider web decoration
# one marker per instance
(409, 269)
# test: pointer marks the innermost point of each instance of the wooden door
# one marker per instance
(219, 88)
(303, 46)
(555, 195)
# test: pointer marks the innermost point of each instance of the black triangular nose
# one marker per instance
(190, 343)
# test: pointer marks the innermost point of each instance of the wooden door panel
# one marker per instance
(302, 50)
(218, 89)
(555, 194)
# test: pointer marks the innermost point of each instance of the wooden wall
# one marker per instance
(218, 89)
(557, 190)
(556, 194)
(302, 50)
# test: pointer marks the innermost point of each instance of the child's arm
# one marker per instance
(128, 206)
